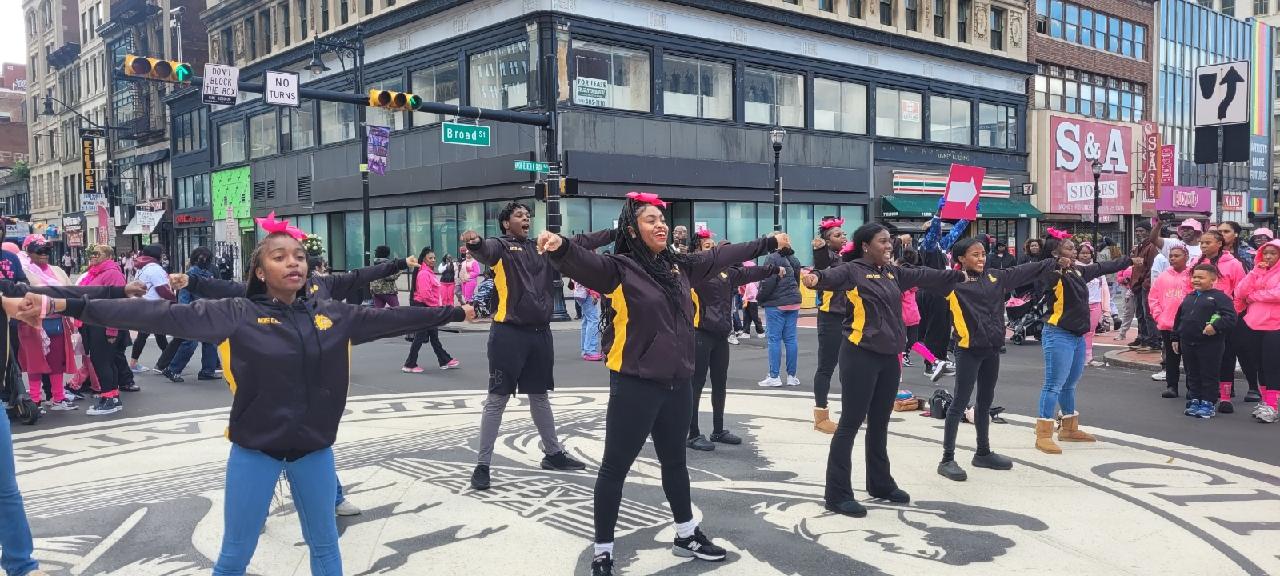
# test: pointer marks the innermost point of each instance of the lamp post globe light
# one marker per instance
(777, 137)
(1097, 202)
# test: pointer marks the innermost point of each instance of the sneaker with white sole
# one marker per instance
(1267, 415)
(793, 381)
(938, 369)
(105, 406)
(948, 368)
(1158, 376)
(412, 369)
(1097, 364)
(697, 546)
(770, 382)
(346, 508)
(450, 365)
(733, 339)
(63, 406)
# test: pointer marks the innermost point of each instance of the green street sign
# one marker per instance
(527, 166)
(464, 134)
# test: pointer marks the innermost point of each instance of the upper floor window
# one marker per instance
(940, 9)
(950, 120)
(231, 142)
(337, 122)
(324, 15)
(839, 106)
(192, 192)
(1229, 8)
(435, 84)
(898, 114)
(189, 131)
(286, 25)
(997, 126)
(501, 78)
(827, 5)
(263, 134)
(304, 8)
(299, 130)
(344, 11)
(250, 38)
(855, 9)
(913, 15)
(963, 8)
(610, 77)
(997, 28)
(886, 12)
(228, 46)
(1084, 26)
(1261, 7)
(774, 98)
(1087, 94)
(697, 88)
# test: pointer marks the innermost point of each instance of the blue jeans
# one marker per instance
(780, 327)
(251, 481)
(1063, 364)
(15, 533)
(590, 325)
(208, 357)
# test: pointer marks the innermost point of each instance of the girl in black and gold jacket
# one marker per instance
(287, 360)
(870, 368)
(651, 359)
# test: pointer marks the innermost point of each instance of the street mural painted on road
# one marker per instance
(143, 497)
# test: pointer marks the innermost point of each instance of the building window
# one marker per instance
(344, 11)
(299, 132)
(228, 46)
(304, 9)
(324, 15)
(264, 21)
(231, 142)
(382, 116)
(1093, 95)
(997, 28)
(940, 17)
(697, 88)
(855, 9)
(898, 114)
(839, 106)
(368, 7)
(191, 192)
(435, 84)
(997, 126)
(250, 38)
(337, 122)
(963, 8)
(1229, 8)
(262, 135)
(913, 15)
(1086, 27)
(1261, 7)
(774, 98)
(502, 78)
(286, 24)
(950, 120)
(827, 5)
(188, 131)
(610, 77)
(886, 12)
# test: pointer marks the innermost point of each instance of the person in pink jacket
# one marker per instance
(1259, 295)
(428, 291)
(1099, 300)
(1166, 295)
(1230, 273)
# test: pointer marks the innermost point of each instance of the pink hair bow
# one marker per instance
(647, 198)
(1056, 233)
(271, 225)
(829, 223)
(704, 233)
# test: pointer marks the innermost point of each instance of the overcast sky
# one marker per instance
(13, 43)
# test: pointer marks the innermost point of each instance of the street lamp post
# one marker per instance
(776, 137)
(355, 49)
(1097, 201)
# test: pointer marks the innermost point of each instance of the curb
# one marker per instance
(1114, 358)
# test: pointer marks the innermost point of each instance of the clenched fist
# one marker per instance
(469, 237)
(784, 241)
(818, 243)
(470, 311)
(176, 282)
(810, 280)
(549, 242)
(411, 262)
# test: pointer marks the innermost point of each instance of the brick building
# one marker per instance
(1090, 97)
(13, 77)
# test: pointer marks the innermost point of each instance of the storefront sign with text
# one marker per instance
(1075, 146)
(1185, 199)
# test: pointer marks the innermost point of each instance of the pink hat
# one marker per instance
(11, 247)
(1264, 232)
(36, 239)
(1192, 223)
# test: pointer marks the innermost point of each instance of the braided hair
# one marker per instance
(660, 266)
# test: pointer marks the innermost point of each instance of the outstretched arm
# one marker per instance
(920, 277)
(704, 264)
(594, 240)
(1097, 269)
(1024, 273)
(203, 321)
(956, 232)
(214, 288)
(371, 324)
(342, 284)
(595, 271)
(739, 275)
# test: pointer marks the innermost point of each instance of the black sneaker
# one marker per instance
(701, 443)
(992, 461)
(726, 437)
(172, 376)
(906, 362)
(602, 565)
(697, 546)
(898, 496)
(952, 471)
(203, 376)
(1225, 407)
(1252, 396)
(561, 461)
(848, 508)
(480, 477)
(1169, 392)
(72, 393)
(105, 406)
(131, 387)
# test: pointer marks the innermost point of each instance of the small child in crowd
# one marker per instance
(1204, 319)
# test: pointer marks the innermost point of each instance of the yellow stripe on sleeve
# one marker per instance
(859, 311)
(958, 321)
(621, 317)
(500, 285)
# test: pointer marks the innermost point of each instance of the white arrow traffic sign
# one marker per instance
(1222, 94)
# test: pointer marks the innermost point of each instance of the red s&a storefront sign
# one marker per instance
(1075, 144)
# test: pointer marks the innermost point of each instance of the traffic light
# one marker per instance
(156, 69)
(393, 100)
(568, 188)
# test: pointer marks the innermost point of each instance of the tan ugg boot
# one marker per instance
(1044, 437)
(822, 421)
(1070, 431)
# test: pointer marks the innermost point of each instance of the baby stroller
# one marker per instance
(1025, 315)
(19, 404)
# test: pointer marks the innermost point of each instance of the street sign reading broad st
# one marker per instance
(529, 166)
(1222, 94)
(464, 134)
(220, 85)
(281, 89)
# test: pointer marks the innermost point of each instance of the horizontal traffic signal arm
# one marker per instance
(527, 118)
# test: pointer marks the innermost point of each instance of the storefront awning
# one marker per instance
(133, 228)
(925, 205)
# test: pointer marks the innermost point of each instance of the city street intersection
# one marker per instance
(140, 493)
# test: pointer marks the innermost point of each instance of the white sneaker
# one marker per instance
(1267, 415)
(793, 381)
(1158, 376)
(346, 508)
(1097, 363)
(937, 371)
(733, 339)
(771, 382)
(745, 336)
(948, 367)
(63, 406)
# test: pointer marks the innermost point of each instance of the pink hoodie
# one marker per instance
(910, 310)
(428, 288)
(1230, 273)
(1167, 293)
(1260, 293)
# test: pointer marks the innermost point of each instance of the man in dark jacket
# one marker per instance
(780, 298)
(1148, 336)
(1002, 258)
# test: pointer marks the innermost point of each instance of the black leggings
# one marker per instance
(1237, 342)
(753, 317)
(432, 336)
(1172, 361)
(830, 335)
(637, 409)
(1260, 351)
(869, 385)
(141, 343)
(913, 336)
(1202, 360)
(979, 366)
(713, 355)
(106, 357)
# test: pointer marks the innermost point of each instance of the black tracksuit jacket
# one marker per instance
(713, 298)
(522, 278)
(874, 320)
(1067, 293)
(288, 365)
(833, 301)
(1196, 310)
(652, 339)
(977, 304)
